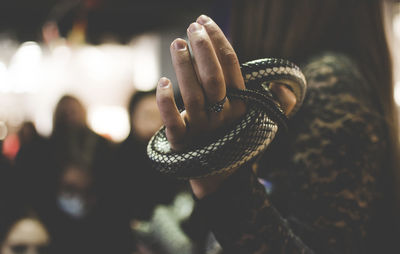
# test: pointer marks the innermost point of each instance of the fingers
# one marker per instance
(175, 125)
(201, 81)
(285, 96)
(209, 70)
(225, 53)
(189, 86)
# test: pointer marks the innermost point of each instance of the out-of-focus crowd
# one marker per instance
(77, 192)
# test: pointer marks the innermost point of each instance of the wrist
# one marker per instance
(203, 187)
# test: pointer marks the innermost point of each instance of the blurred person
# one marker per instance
(9, 194)
(32, 147)
(24, 234)
(144, 115)
(146, 192)
(141, 186)
(69, 113)
(37, 163)
(85, 218)
(331, 177)
(76, 194)
(88, 210)
(4, 162)
(77, 159)
(71, 133)
(27, 133)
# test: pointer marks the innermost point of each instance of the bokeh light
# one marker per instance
(109, 121)
(396, 25)
(24, 70)
(397, 93)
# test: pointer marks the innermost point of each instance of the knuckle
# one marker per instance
(212, 80)
(164, 100)
(194, 102)
(181, 59)
(228, 56)
(201, 43)
(173, 127)
(212, 29)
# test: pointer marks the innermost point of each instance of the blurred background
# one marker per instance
(88, 63)
(77, 108)
(99, 50)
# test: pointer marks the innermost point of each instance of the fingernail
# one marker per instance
(195, 27)
(179, 45)
(163, 83)
(203, 19)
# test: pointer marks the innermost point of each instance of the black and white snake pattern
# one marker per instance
(240, 143)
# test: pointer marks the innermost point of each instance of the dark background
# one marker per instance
(22, 19)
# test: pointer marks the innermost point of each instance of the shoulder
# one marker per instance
(338, 100)
(334, 77)
(336, 73)
(328, 65)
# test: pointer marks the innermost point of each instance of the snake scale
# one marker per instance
(249, 136)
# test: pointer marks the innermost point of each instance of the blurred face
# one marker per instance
(76, 196)
(71, 113)
(76, 180)
(27, 236)
(26, 133)
(146, 119)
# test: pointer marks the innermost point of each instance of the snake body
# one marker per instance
(235, 145)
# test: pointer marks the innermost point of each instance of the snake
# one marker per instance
(241, 142)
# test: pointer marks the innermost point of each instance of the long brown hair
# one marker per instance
(298, 29)
(67, 107)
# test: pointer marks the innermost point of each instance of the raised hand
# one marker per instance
(203, 81)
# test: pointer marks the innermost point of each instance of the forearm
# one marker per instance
(243, 220)
(325, 174)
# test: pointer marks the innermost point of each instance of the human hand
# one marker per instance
(203, 82)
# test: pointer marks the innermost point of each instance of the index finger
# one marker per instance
(225, 53)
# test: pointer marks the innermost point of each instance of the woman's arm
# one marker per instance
(325, 176)
(323, 199)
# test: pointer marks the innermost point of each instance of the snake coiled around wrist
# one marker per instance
(239, 143)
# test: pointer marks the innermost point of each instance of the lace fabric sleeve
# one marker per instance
(325, 174)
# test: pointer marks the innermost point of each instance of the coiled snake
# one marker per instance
(237, 144)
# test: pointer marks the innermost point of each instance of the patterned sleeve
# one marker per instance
(323, 174)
